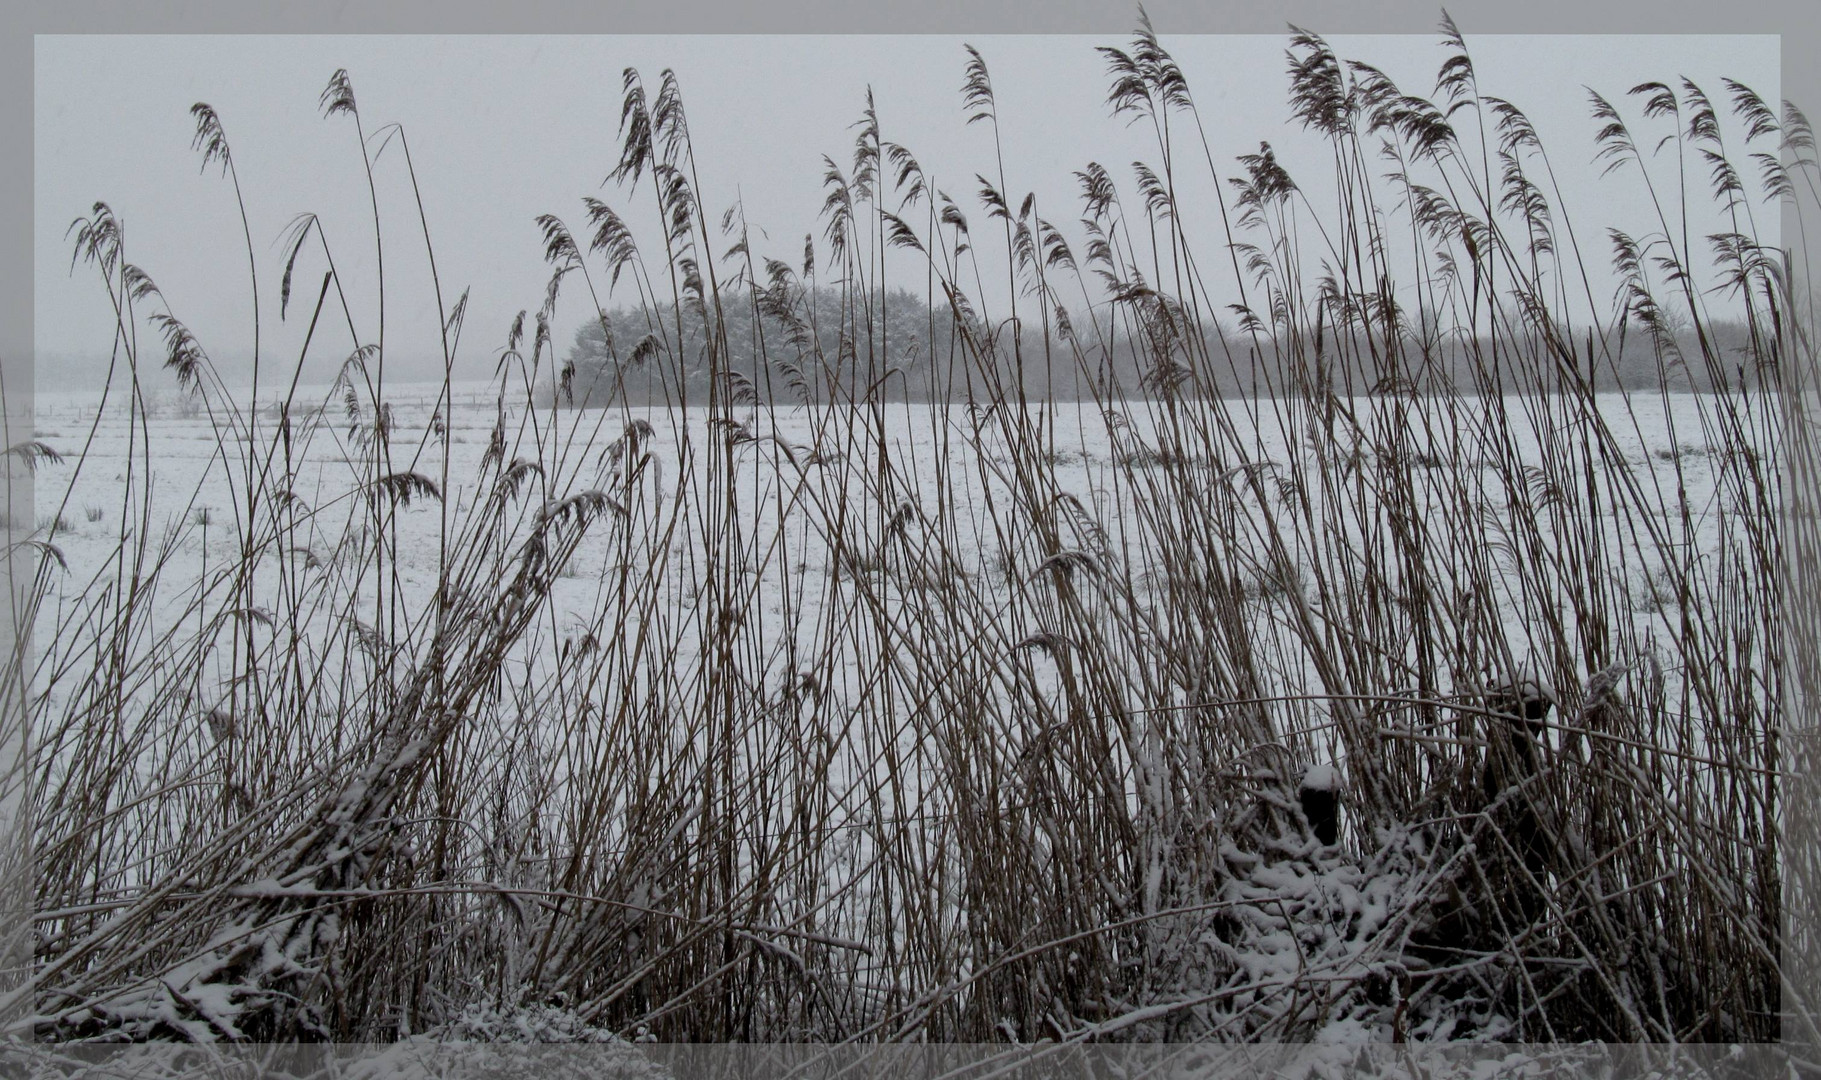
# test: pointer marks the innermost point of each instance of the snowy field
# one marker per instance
(815, 471)
(900, 639)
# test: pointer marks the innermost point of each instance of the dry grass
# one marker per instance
(1060, 800)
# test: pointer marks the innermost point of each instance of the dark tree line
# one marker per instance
(827, 344)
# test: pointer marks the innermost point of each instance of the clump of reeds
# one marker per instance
(298, 797)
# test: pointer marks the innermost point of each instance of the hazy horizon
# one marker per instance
(502, 129)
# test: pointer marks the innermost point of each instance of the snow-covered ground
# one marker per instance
(952, 475)
(782, 523)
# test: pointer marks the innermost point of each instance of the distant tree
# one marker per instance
(784, 343)
(828, 344)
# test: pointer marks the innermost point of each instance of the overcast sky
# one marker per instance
(502, 129)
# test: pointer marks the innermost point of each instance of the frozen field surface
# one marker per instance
(874, 660)
(953, 481)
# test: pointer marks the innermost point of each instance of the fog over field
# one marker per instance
(997, 544)
(511, 127)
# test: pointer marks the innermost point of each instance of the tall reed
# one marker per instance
(983, 720)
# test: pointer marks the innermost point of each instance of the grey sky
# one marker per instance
(504, 128)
